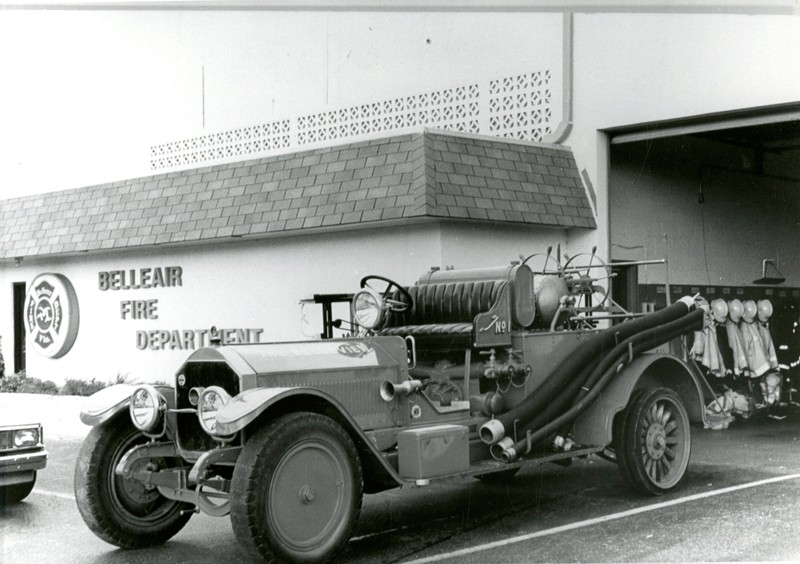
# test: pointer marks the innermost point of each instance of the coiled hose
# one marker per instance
(575, 365)
(597, 380)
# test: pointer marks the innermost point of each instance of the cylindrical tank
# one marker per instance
(548, 295)
(520, 278)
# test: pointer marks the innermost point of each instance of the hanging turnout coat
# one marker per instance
(737, 347)
(706, 349)
(757, 359)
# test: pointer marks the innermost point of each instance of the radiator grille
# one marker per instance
(201, 374)
(6, 440)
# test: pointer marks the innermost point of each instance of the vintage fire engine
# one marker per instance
(473, 372)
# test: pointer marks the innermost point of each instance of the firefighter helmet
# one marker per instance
(719, 310)
(750, 310)
(764, 310)
(735, 310)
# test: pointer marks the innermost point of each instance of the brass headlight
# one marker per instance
(368, 309)
(146, 408)
(212, 399)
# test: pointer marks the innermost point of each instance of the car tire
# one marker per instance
(122, 511)
(15, 493)
(297, 489)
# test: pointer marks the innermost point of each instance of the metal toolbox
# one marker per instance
(427, 452)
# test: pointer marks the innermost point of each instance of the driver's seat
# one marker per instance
(443, 315)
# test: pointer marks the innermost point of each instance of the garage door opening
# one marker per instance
(718, 196)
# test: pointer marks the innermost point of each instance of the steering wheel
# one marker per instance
(396, 306)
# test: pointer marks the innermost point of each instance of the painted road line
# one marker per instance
(54, 494)
(599, 520)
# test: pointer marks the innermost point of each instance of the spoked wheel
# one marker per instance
(542, 264)
(653, 441)
(123, 511)
(297, 489)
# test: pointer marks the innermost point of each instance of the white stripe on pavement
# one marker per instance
(598, 520)
(54, 494)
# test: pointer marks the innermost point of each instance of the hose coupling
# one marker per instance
(500, 450)
(490, 403)
(492, 431)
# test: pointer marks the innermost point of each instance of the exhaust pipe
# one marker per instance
(389, 389)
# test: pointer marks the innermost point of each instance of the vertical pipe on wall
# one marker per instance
(563, 129)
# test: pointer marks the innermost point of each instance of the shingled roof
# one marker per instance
(432, 174)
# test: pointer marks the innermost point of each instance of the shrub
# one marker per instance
(74, 387)
(20, 383)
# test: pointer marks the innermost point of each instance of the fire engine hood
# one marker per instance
(303, 357)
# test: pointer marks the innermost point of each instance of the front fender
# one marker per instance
(247, 406)
(105, 404)
(595, 425)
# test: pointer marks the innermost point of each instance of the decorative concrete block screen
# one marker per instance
(516, 107)
(258, 139)
(519, 106)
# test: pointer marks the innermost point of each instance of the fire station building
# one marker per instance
(640, 134)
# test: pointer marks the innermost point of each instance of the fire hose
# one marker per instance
(586, 356)
(539, 428)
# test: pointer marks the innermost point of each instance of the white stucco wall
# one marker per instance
(475, 246)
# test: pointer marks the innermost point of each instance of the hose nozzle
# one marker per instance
(389, 389)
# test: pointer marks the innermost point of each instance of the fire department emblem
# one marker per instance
(354, 349)
(51, 315)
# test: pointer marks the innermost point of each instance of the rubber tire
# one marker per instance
(105, 513)
(16, 492)
(500, 477)
(260, 467)
(630, 445)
